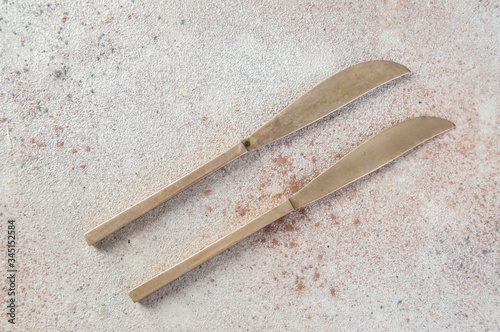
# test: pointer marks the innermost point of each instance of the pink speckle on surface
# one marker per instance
(104, 104)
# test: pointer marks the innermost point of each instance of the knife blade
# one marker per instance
(366, 158)
(325, 98)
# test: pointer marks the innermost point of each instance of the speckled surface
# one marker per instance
(102, 105)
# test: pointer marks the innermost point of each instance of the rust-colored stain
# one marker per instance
(109, 20)
(209, 208)
(87, 148)
(332, 291)
(2, 120)
(241, 211)
(316, 276)
(356, 222)
(276, 197)
(280, 160)
(275, 226)
(64, 19)
(39, 144)
(275, 243)
(293, 185)
(60, 144)
(83, 166)
(300, 286)
(58, 129)
(207, 192)
(74, 150)
(286, 223)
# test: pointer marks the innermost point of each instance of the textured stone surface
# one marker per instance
(102, 105)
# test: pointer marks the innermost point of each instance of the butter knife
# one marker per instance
(325, 98)
(366, 158)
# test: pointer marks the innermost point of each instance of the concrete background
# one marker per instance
(101, 105)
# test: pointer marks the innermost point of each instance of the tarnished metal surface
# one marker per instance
(325, 98)
(371, 155)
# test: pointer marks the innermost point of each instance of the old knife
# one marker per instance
(366, 158)
(325, 98)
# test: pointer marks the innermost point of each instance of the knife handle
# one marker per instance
(208, 252)
(124, 218)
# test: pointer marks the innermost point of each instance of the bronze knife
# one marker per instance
(325, 98)
(366, 158)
